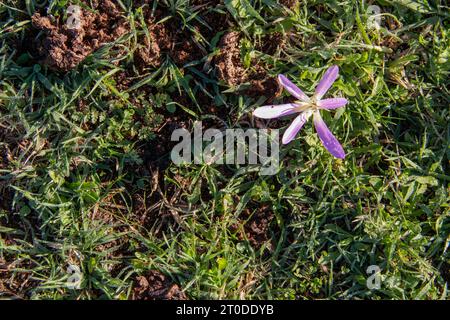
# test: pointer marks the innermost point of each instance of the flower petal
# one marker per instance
(332, 103)
(292, 88)
(327, 81)
(327, 138)
(295, 127)
(274, 111)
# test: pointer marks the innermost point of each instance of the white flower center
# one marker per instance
(302, 106)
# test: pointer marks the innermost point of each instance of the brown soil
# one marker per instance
(63, 49)
(155, 286)
(10, 146)
(15, 284)
(6, 198)
(257, 220)
(216, 22)
(273, 42)
(257, 227)
(445, 272)
(150, 209)
(165, 38)
(262, 85)
(157, 154)
(289, 3)
(391, 41)
(228, 62)
(231, 70)
(15, 281)
(7, 142)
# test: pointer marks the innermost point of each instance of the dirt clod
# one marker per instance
(273, 42)
(62, 48)
(231, 70)
(228, 62)
(289, 3)
(269, 87)
(155, 286)
(257, 227)
(166, 38)
(158, 40)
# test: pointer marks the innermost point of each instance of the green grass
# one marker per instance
(76, 187)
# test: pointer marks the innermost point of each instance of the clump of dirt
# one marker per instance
(228, 62)
(231, 70)
(155, 286)
(159, 39)
(273, 42)
(262, 85)
(289, 3)
(62, 48)
(149, 54)
(166, 38)
(257, 225)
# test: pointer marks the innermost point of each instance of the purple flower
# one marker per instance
(307, 107)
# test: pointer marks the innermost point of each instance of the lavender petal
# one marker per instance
(292, 88)
(274, 111)
(295, 127)
(333, 103)
(327, 81)
(328, 140)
